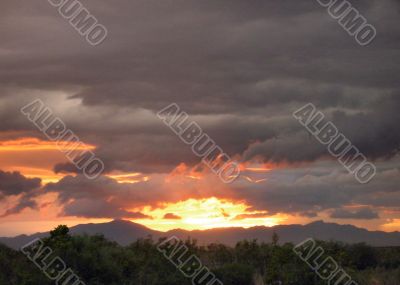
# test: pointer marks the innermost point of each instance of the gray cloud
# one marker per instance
(361, 214)
(105, 197)
(240, 69)
(306, 190)
(315, 188)
(254, 63)
(15, 184)
(94, 208)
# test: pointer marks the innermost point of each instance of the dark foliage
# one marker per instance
(99, 261)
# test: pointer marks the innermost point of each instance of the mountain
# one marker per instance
(295, 234)
(121, 231)
(125, 232)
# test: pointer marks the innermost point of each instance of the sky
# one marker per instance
(239, 69)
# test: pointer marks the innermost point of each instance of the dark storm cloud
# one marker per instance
(239, 68)
(15, 184)
(361, 214)
(100, 198)
(373, 131)
(247, 61)
(315, 188)
(93, 208)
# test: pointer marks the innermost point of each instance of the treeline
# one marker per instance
(97, 260)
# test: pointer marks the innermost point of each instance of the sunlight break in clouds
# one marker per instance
(208, 213)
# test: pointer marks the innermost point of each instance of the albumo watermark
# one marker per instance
(82, 20)
(338, 145)
(188, 264)
(324, 266)
(202, 145)
(351, 20)
(52, 266)
(66, 140)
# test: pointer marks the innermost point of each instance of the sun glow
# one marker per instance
(208, 213)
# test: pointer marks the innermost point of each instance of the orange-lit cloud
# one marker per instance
(35, 144)
(134, 177)
(34, 157)
(190, 197)
(249, 172)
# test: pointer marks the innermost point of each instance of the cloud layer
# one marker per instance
(239, 69)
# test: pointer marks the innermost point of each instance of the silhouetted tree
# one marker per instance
(97, 260)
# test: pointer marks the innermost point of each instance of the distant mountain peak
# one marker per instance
(121, 221)
(318, 222)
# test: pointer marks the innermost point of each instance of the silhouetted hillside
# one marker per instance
(125, 232)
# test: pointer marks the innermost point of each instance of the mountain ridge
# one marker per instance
(124, 232)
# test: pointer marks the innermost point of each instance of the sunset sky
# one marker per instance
(239, 69)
